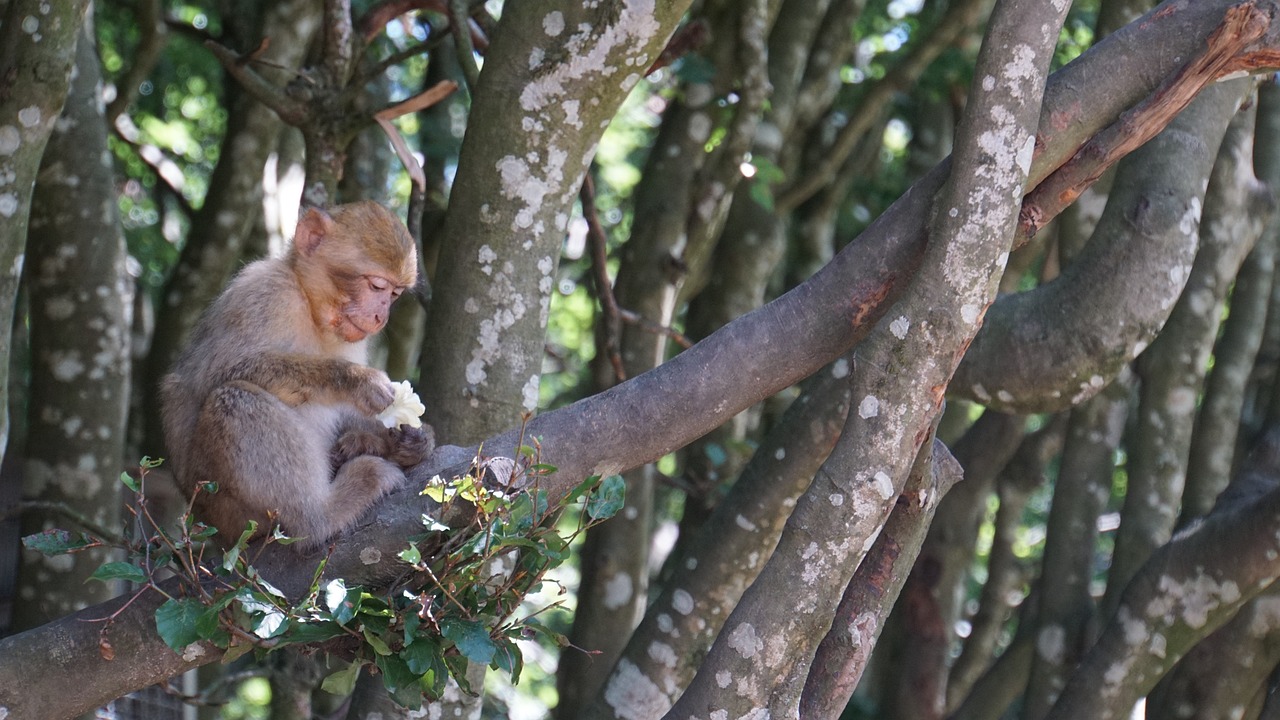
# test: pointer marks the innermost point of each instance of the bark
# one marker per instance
(715, 567)
(935, 590)
(532, 135)
(842, 655)
(1006, 574)
(1064, 626)
(80, 301)
(1218, 424)
(764, 650)
(37, 52)
(1171, 371)
(615, 558)
(1185, 591)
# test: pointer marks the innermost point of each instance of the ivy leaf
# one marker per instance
(423, 655)
(119, 571)
(343, 602)
(411, 555)
(608, 499)
(56, 541)
(378, 644)
(177, 622)
(507, 657)
(582, 489)
(401, 682)
(342, 682)
(471, 637)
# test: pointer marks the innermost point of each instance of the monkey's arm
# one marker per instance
(297, 378)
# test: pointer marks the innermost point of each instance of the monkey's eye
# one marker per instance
(378, 284)
(396, 292)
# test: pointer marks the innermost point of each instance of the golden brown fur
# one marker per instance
(272, 398)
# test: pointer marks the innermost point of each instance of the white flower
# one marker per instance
(405, 407)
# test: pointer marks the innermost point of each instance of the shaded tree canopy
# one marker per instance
(934, 343)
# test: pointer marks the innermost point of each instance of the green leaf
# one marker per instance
(608, 499)
(378, 644)
(412, 555)
(177, 622)
(149, 463)
(313, 631)
(119, 571)
(507, 657)
(56, 541)
(129, 481)
(583, 488)
(343, 682)
(400, 681)
(236, 651)
(423, 655)
(471, 637)
(343, 602)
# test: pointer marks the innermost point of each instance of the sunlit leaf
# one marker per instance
(176, 622)
(471, 638)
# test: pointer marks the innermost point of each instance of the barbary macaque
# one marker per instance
(272, 398)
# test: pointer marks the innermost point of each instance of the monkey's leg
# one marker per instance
(356, 486)
(266, 457)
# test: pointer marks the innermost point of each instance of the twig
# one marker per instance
(291, 111)
(460, 21)
(644, 323)
(416, 103)
(154, 37)
(68, 512)
(1223, 55)
(597, 242)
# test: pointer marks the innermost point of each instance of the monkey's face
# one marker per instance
(367, 305)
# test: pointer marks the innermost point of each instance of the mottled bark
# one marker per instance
(533, 132)
(711, 573)
(935, 589)
(1063, 626)
(37, 52)
(897, 385)
(1171, 371)
(1218, 425)
(80, 305)
(842, 655)
(1186, 590)
(654, 267)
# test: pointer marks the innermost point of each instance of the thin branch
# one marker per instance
(1222, 55)
(687, 39)
(291, 111)
(68, 512)
(635, 318)
(376, 18)
(597, 241)
(416, 103)
(459, 20)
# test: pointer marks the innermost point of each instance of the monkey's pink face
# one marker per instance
(365, 313)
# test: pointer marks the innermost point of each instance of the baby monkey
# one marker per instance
(272, 398)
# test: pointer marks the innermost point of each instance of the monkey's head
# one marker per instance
(353, 262)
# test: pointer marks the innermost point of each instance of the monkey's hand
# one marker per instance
(370, 389)
(411, 445)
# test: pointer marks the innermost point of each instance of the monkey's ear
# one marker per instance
(312, 228)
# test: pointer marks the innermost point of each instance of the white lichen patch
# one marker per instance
(837, 499)
(618, 591)
(633, 696)
(840, 368)
(899, 327)
(29, 117)
(1191, 601)
(370, 555)
(10, 140)
(662, 654)
(682, 602)
(745, 640)
(1051, 643)
(553, 23)
(869, 407)
(529, 392)
(883, 485)
(745, 523)
(723, 678)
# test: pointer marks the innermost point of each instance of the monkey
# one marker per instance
(272, 398)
